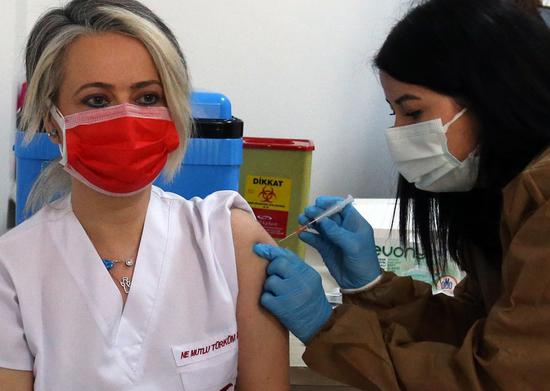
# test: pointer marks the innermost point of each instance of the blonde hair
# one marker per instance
(45, 54)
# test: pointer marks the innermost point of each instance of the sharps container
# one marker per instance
(212, 161)
(275, 180)
(214, 152)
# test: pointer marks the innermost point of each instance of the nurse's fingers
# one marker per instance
(282, 262)
(275, 285)
(303, 219)
(284, 267)
(268, 251)
(325, 202)
(315, 241)
(269, 301)
(312, 212)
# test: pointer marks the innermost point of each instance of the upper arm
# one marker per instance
(11, 380)
(263, 341)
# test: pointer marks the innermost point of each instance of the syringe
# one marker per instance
(327, 213)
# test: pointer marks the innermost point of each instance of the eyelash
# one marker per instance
(87, 101)
(156, 96)
(415, 114)
(105, 101)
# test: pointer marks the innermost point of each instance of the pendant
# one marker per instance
(129, 263)
(126, 283)
(108, 264)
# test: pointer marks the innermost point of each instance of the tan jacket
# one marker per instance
(494, 334)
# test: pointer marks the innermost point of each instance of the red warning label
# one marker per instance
(273, 221)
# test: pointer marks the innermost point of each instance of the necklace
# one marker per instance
(110, 263)
(125, 282)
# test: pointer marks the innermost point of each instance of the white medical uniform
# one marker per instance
(62, 316)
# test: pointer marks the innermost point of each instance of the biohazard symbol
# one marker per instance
(268, 194)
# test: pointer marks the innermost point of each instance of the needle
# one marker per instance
(329, 212)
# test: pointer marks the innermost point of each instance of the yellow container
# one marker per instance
(275, 180)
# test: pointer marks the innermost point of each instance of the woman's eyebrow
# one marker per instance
(143, 84)
(96, 84)
(404, 98)
(135, 86)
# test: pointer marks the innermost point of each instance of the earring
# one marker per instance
(53, 133)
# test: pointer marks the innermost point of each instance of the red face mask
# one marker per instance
(118, 150)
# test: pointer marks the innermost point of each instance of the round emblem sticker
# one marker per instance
(447, 283)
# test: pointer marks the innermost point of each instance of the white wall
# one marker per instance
(298, 69)
(292, 68)
(11, 19)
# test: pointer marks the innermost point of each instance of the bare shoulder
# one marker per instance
(263, 342)
(250, 268)
(247, 229)
(16, 380)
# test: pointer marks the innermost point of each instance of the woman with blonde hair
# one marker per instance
(114, 284)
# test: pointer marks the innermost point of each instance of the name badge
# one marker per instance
(202, 350)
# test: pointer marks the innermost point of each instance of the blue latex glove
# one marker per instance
(345, 241)
(293, 292)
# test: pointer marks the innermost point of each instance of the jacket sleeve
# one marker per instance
(369, 348)
(426, 316)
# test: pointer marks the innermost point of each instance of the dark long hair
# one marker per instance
(529, 5)
(495, 58)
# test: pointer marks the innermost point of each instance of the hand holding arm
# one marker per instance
(293, 292)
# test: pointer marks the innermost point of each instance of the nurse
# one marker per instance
(118, 285)
(468, 82)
